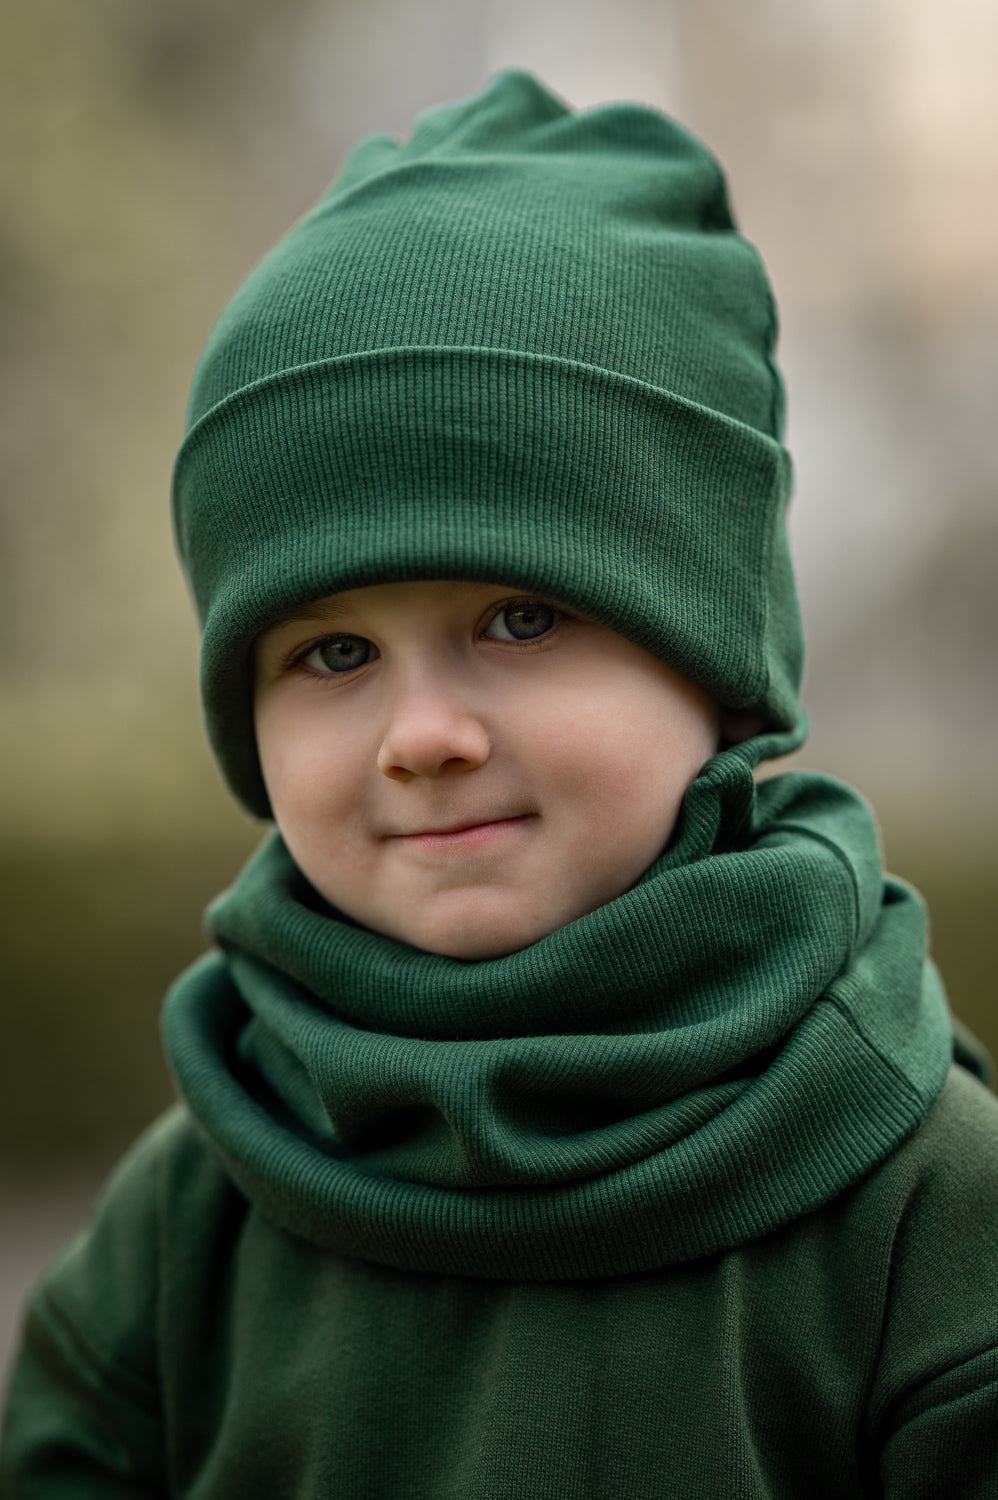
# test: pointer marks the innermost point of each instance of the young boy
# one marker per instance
(564, 1115)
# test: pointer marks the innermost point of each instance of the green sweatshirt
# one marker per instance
(684, 1201)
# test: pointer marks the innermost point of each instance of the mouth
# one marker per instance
(464, 834)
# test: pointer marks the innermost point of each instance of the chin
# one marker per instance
(476, 937)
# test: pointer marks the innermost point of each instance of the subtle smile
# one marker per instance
(465, 836)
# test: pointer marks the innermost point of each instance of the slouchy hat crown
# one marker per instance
(527, 346)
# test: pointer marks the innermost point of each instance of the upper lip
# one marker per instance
(458, 825)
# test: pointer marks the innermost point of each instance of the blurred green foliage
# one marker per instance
(94, 936)
(959, 880)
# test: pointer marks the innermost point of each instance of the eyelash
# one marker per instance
(296, 658)
(525, 600)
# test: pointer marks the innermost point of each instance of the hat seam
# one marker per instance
(552, 361)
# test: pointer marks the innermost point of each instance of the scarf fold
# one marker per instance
(728, 1045)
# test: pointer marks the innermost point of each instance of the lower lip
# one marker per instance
(464, 838)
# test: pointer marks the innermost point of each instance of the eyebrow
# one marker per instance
(318, 609)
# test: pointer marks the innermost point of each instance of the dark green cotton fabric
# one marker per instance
(526, 346)
(186, 1347)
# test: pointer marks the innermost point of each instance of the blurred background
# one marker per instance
(153, 151)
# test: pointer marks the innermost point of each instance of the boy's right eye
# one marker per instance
(339, 653)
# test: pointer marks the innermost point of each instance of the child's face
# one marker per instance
(467, 769)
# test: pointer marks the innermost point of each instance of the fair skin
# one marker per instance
(467, 768)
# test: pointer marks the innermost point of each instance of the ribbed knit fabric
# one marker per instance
(525, 346)
(718, 1051)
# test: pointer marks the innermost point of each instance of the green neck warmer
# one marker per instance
(725, 1047)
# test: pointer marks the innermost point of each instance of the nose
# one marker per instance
(431, 733)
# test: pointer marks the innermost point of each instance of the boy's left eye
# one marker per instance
(523, 620)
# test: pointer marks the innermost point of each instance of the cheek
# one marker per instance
(628, 737)
(624, 764)
(306, 763)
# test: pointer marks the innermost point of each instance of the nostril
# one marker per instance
(432, 749)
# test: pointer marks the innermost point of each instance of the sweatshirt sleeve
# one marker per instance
(936, 1395)
(84, 1413)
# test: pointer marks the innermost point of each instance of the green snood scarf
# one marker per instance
(530, 346)
(730, 1044)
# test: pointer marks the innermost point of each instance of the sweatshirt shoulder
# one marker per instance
(948, 1171)
(935, 1393)
(942, 1185)
(954, 1153)
(105, 1284)
(170, 1171)
(933, 1203)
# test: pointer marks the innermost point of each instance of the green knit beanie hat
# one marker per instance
(527, 346)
